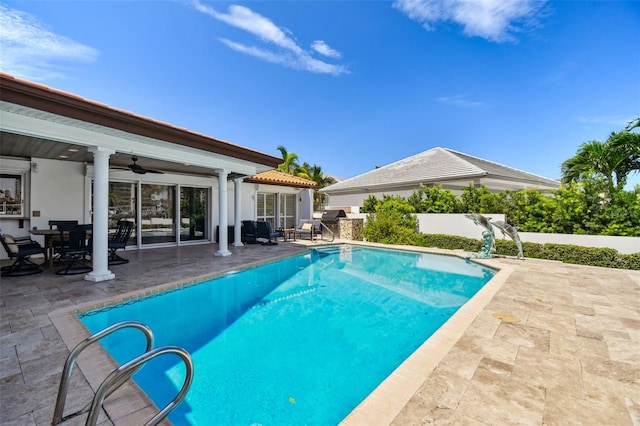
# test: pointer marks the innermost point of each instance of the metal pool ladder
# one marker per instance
(120, 375)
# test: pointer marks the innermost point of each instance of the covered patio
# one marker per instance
(550, 344)
(59, 154)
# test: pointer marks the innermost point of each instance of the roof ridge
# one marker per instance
(453, 151)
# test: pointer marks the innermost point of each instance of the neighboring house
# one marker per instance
(64, 157)
(437, 166)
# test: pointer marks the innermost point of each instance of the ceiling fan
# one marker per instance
(136, 168)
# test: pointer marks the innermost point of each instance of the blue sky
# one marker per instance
(348, 85)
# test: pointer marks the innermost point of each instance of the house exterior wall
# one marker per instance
(356, 197)
(56, 189)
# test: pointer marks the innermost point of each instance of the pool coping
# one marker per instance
(130, 405)
(386, 401)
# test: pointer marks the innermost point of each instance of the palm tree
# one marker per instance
(289, 161)
(315, 174)
(633, 124)
(613, 160)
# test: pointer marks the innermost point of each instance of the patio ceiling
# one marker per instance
(27, 147)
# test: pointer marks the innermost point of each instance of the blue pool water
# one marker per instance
(300, 341)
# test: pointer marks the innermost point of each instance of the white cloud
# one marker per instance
(287, 52)
(323, 48)
(618, 121)
(31, 51)
(460, 101)
(494, 20)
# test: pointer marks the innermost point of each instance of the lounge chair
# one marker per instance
(265, 231)
(74, 249)
(249, 232)
(20, 249)
(119, 241)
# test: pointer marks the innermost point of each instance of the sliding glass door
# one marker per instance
(157, 203)
(193, 213)
(122, 204)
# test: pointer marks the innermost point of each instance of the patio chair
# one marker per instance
(119, 241)
(54, 224)
(74, 249)
(249, 231)
(20, 249)
(265, 231)
(305, 230)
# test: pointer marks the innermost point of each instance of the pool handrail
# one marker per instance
(333, 236)
(73, 356)
(125, 371)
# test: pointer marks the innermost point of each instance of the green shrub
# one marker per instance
(592, 256)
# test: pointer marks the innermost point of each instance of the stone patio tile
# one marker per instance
(570, 359)
(549, 371)
(624, 396)
(511, 401)
(577, 346)
(615, 370)
(485, 325)
(563, 409)
(521, 335)
(492, 372)
(9, 364)
(438, 397)
(461, 362)
(496, 349)
(26, 420)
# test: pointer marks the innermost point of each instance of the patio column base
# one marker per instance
(222, 253)
(238, 244)
(97, 277)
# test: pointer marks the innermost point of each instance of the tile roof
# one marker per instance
(437, 165)
(275, 177)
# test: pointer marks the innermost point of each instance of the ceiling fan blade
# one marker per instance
(136, 168)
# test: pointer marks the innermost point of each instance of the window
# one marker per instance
(11, 195)
(267, 208)
(287, 211)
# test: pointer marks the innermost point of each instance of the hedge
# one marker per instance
(592, 256)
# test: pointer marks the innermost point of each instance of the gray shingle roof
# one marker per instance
(436, 165)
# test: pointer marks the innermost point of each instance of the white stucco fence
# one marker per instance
(458, 224)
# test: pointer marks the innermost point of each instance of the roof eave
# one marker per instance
(41, 97)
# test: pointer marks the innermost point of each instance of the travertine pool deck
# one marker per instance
(544, 343)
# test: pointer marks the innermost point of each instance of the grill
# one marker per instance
(332, 216)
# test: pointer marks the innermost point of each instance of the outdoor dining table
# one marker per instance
(50, 235)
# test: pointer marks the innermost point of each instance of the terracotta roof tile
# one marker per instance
(275, 177)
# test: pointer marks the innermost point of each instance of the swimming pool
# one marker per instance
(298, 341)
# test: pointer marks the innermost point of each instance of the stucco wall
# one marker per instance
(458, 224)
(62, 190)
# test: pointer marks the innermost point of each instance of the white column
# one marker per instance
(237, 212)
(100, 232)
(223, 237)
